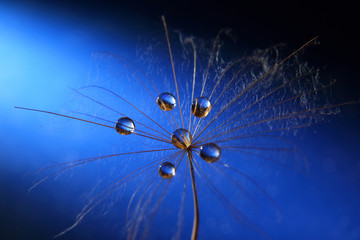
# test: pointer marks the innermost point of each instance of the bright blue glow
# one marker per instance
(40, 57)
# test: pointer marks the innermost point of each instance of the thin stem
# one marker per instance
(195, 229)
(62, 115)
(173, 68)
(194, 74)
(181, 212)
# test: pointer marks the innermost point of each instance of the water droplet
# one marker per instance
(125, 126)
(210, 152)
(200, 107)
(167, 170)
(181, 138)
(166, 101)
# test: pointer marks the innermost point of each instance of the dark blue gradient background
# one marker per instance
(46, 48)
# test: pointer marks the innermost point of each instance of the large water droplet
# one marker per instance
(210, 152)
(125, 126)
(166, 101)
(181, 138)
(167, 170)
(200, 107)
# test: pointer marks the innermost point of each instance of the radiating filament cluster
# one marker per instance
(180, 138)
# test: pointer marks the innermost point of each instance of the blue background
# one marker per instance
(47, 48)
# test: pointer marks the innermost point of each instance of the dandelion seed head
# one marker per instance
(231, 111)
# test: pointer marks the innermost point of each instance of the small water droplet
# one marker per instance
(181, 138)
(125, 126)
(167, 170)
(210, 152)
(166, 101)
(200, 107)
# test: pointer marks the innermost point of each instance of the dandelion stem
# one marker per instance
(196, 205)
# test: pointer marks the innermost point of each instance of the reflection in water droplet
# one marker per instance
(125, 126)
(181, 138)
(166, 101)
(210, 152)
(200, 107)
(167, 170)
